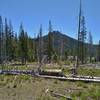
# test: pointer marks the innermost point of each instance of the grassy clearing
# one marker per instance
(89, 72)
(84, 71)
(24, 87)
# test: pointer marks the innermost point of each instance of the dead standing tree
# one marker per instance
(62, 48)
(40, 48)
(81, 38)
(50, 43)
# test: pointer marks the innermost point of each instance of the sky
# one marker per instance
(62, 13)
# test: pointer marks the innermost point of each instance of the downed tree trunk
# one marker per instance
(60, 95)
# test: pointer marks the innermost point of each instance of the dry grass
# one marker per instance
(23, 87)
(31, 88)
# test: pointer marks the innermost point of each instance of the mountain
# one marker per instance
(69, 44)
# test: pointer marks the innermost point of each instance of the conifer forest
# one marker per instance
(49, 65)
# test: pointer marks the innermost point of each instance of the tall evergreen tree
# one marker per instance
(99, 51)
(35, 46)
(26, 46)
(6, 38)
(16, 47)
(23, 45)
(90, 51)
(1, 41)
(30, 49)
(11, 41)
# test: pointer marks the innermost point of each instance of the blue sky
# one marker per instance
(62, 13)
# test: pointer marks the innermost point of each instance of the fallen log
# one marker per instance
(70, 78)
(60, 95)
(32, 73)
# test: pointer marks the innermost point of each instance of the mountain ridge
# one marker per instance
(69, 43)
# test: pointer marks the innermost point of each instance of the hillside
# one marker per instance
(68, 43)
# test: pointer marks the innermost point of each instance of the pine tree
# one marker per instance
(16, 47)
(99, 51)
(30, 49)
(23, 45)
(6, 40)
(90, 51)
(1, 37)
(35, 45)
(11, 41)
(82, 41)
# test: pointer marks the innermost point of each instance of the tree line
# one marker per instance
(13, 46)
(22, 48)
